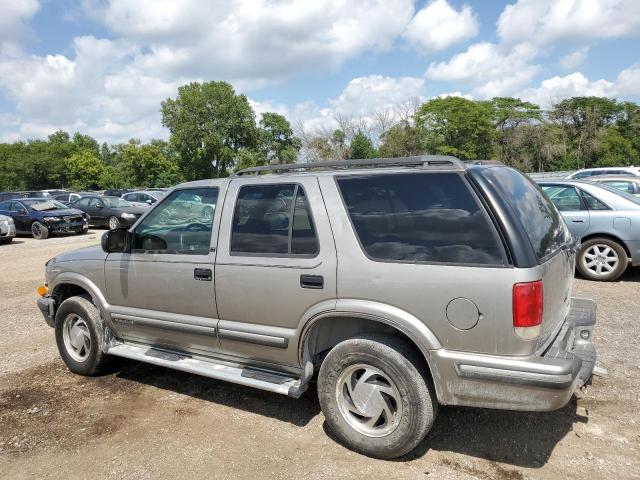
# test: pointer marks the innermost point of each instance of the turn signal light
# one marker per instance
(527, 309)
(43, 290)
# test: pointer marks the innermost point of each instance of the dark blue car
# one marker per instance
(42, 216)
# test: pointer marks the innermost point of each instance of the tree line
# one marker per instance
(214, 131)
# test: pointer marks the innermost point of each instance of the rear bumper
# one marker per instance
(538, 382)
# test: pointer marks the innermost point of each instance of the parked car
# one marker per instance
(24, 194)
(41, 217)
(404, 283)
(7, 229)
(70, 197)
(112, 212)
(625, 183)
(188, 205)
(143, 198)
(607, 222)
(593, 172)
(9, 196)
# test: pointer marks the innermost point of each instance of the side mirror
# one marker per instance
(116, 240)
(99, 206)
(23, 212)
(149, 202)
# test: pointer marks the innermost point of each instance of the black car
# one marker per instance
(43, 216)
(112, 212)
(69, 197)
(116, 192)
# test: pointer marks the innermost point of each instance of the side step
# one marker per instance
(269, 381)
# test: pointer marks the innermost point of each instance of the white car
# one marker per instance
(7, 229)
(143, 198)
(591, 172)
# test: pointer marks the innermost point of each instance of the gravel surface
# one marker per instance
(139, 421)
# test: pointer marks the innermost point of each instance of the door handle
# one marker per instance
(577, 220)
(312, 281)
(202, 274)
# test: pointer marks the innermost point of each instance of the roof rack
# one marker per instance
(424, 161)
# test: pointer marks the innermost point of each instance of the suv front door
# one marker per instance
(276, 260)
(162, 292)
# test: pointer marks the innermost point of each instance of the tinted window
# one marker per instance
(419, 217)
(592, 202)
(273, 220)
(5, 206)
(620, 185)
(95, 202)
(537, 215)
(172, 229)
(583, 175)
(565, 198)
(83, 202)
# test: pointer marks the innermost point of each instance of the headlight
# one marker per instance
(128, 215)
(51, 219)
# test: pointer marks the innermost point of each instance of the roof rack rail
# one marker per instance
(425, 161)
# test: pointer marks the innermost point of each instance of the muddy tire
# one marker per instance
(601, 259)
(376, 396)
(79, 334)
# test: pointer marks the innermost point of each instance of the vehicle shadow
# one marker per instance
(298, 412)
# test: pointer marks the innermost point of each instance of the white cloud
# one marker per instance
(438, 25)
(547, 21)
(554, 89)
(13, 17)
(575, 58)
(491, 69)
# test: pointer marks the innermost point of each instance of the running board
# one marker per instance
(264, 380)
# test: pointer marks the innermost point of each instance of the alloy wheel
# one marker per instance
(600, 259)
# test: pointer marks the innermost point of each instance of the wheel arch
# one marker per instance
(69, 284)
(350, 318)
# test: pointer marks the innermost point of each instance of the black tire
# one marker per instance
(94, 360)
(585, 255)
(407, 370)
(4, 241)
(113, 222)
(39, 231)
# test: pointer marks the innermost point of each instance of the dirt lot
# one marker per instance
(140, 421)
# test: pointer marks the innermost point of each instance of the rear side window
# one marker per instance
(538, 217)
(420, 217)
(273, 220)
(592, 202)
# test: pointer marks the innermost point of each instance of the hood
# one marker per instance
(135, 210)
(88, 253)
(61, 212)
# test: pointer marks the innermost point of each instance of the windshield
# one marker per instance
(115, 202)
(625, 195)
(42, 205)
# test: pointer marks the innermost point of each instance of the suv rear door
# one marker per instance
(276, 260)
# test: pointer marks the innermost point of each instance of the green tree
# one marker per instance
(277, 141)
(148, 165)
(402, 140)
(84, 170)
(457, 126)
(209, 125)
(362, 147)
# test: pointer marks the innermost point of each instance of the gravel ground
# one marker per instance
(139, 421)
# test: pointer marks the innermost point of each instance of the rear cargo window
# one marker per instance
(538, 216)
(420, 217)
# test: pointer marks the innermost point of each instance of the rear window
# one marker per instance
(420, 217)
(539, 218)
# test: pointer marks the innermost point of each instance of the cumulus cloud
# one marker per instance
(575, 58)
(491, 69)
(13, 18)
(547, 21)
(554, 89)
(438, 26)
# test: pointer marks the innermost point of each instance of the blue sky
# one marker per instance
(103, 66)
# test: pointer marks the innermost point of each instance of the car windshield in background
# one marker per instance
(541, 220)
(625, 195)
(115, 202)
(43, 205)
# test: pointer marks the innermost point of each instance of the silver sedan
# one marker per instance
(607, 222)
(7, 229)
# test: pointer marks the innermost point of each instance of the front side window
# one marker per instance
(273, 220)
(171, 229)
(83, 202)
(566, 199)
(420, 217)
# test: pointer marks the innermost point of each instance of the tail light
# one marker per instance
(527, 309)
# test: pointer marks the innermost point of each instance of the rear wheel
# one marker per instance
(375, 395)
(602, 259)
(39, 231)
(113, 223)
(79, 334)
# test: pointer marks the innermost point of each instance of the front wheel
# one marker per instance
(602, 259)
(113, 223)
(376, 396)
(39, 231)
